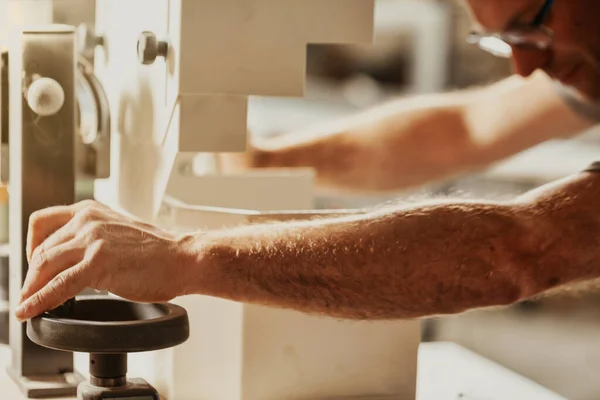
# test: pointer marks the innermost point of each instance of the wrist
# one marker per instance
(205, 257)
(261, 157)
(190, 259)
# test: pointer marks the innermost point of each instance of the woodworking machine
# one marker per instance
(142, 98)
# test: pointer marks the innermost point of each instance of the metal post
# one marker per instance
(4, 116)
(41, 174)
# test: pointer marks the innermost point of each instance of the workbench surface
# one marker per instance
(446, 372)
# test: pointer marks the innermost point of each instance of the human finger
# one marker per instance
(57, 291)
(62, 225)
(44, 223)
(49, 263)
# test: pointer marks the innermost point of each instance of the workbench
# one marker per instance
(446, 372)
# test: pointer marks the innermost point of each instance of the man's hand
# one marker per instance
(70, 248)
(232, 163)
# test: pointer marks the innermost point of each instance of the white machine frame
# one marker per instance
(194, 102)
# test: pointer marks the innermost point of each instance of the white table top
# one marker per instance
(446, 372)
(450, 372)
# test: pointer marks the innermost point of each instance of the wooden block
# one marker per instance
(321, 358)
(354, 21)
(209, 123)
(262, 191)
(257, 353)
(235, 47)
(269, 38)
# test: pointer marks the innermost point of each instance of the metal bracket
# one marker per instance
(42, 174)
(94, 124)
(93, 140)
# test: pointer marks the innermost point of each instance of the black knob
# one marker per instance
(149, 48)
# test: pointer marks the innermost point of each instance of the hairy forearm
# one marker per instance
(418, 140)
(435, 258)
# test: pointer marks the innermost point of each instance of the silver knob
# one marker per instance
(149, 48)
(87, 40)
(45, 97)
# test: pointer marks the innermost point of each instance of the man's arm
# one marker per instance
(437, 258)
(413, 141)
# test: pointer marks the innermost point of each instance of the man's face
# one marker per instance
(574, 59)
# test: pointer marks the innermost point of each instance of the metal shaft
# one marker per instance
(108, 370)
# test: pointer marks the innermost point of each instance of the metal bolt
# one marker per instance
(186, 168)
(87, 40)
(149, 48)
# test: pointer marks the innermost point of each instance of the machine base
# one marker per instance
(136, 389)
(48, 386)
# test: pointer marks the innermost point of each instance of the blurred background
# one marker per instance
(420, 48)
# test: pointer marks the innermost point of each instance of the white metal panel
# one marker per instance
(136, 94)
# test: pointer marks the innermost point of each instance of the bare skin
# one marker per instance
(404, 262)
(575, 57)
(407, 143)
(435, 258)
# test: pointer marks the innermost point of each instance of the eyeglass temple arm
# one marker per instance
(543, 13)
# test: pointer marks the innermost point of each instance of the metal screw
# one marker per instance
(149, 48)
(87, 40)
(186, 168)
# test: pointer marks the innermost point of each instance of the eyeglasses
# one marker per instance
(533, 36)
